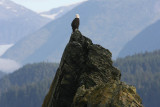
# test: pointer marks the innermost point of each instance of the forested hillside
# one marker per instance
(143, 71)
(1, 74)
(27, 86)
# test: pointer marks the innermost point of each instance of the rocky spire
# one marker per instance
(86, 78)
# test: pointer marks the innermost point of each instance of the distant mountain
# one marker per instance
(27, 86)
(17, 22)
(2, 74)
(58, 12)
(143, 71)
(109, 23)
(147, 40)
(3, 48)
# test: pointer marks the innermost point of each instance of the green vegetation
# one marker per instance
(143, 71)
(27, 86)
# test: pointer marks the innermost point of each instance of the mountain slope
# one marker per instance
(27, 86)
(3, 48)
(2, 74)
(28, 74)
(147, 40)
(143, 71)
(58, 12)
(111, 24)
(29, 95)
(17, 22)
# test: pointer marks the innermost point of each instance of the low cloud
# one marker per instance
(8, 66)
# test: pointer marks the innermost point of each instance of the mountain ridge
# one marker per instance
(145, 41)
(17, 22)
(106, 25)
(59, 11)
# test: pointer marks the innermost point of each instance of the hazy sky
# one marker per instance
(44, 5)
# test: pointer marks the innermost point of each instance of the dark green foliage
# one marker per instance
(143, 71)
(28, 74)
(31, 95)
(27, 86)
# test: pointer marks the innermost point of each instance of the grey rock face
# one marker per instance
(83, 66)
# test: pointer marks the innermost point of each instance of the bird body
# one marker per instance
(75, 23)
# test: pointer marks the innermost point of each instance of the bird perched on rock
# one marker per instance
(75, 23)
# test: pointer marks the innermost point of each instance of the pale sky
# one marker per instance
(44, 5)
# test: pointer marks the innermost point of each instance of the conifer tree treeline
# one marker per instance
(143, 71)
(27, 86)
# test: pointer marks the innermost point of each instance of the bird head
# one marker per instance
(77, 16)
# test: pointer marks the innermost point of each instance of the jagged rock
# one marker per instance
(111, 94)
(86, 78)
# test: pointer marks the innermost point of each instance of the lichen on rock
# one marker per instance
(86, 78)
(111, 94)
